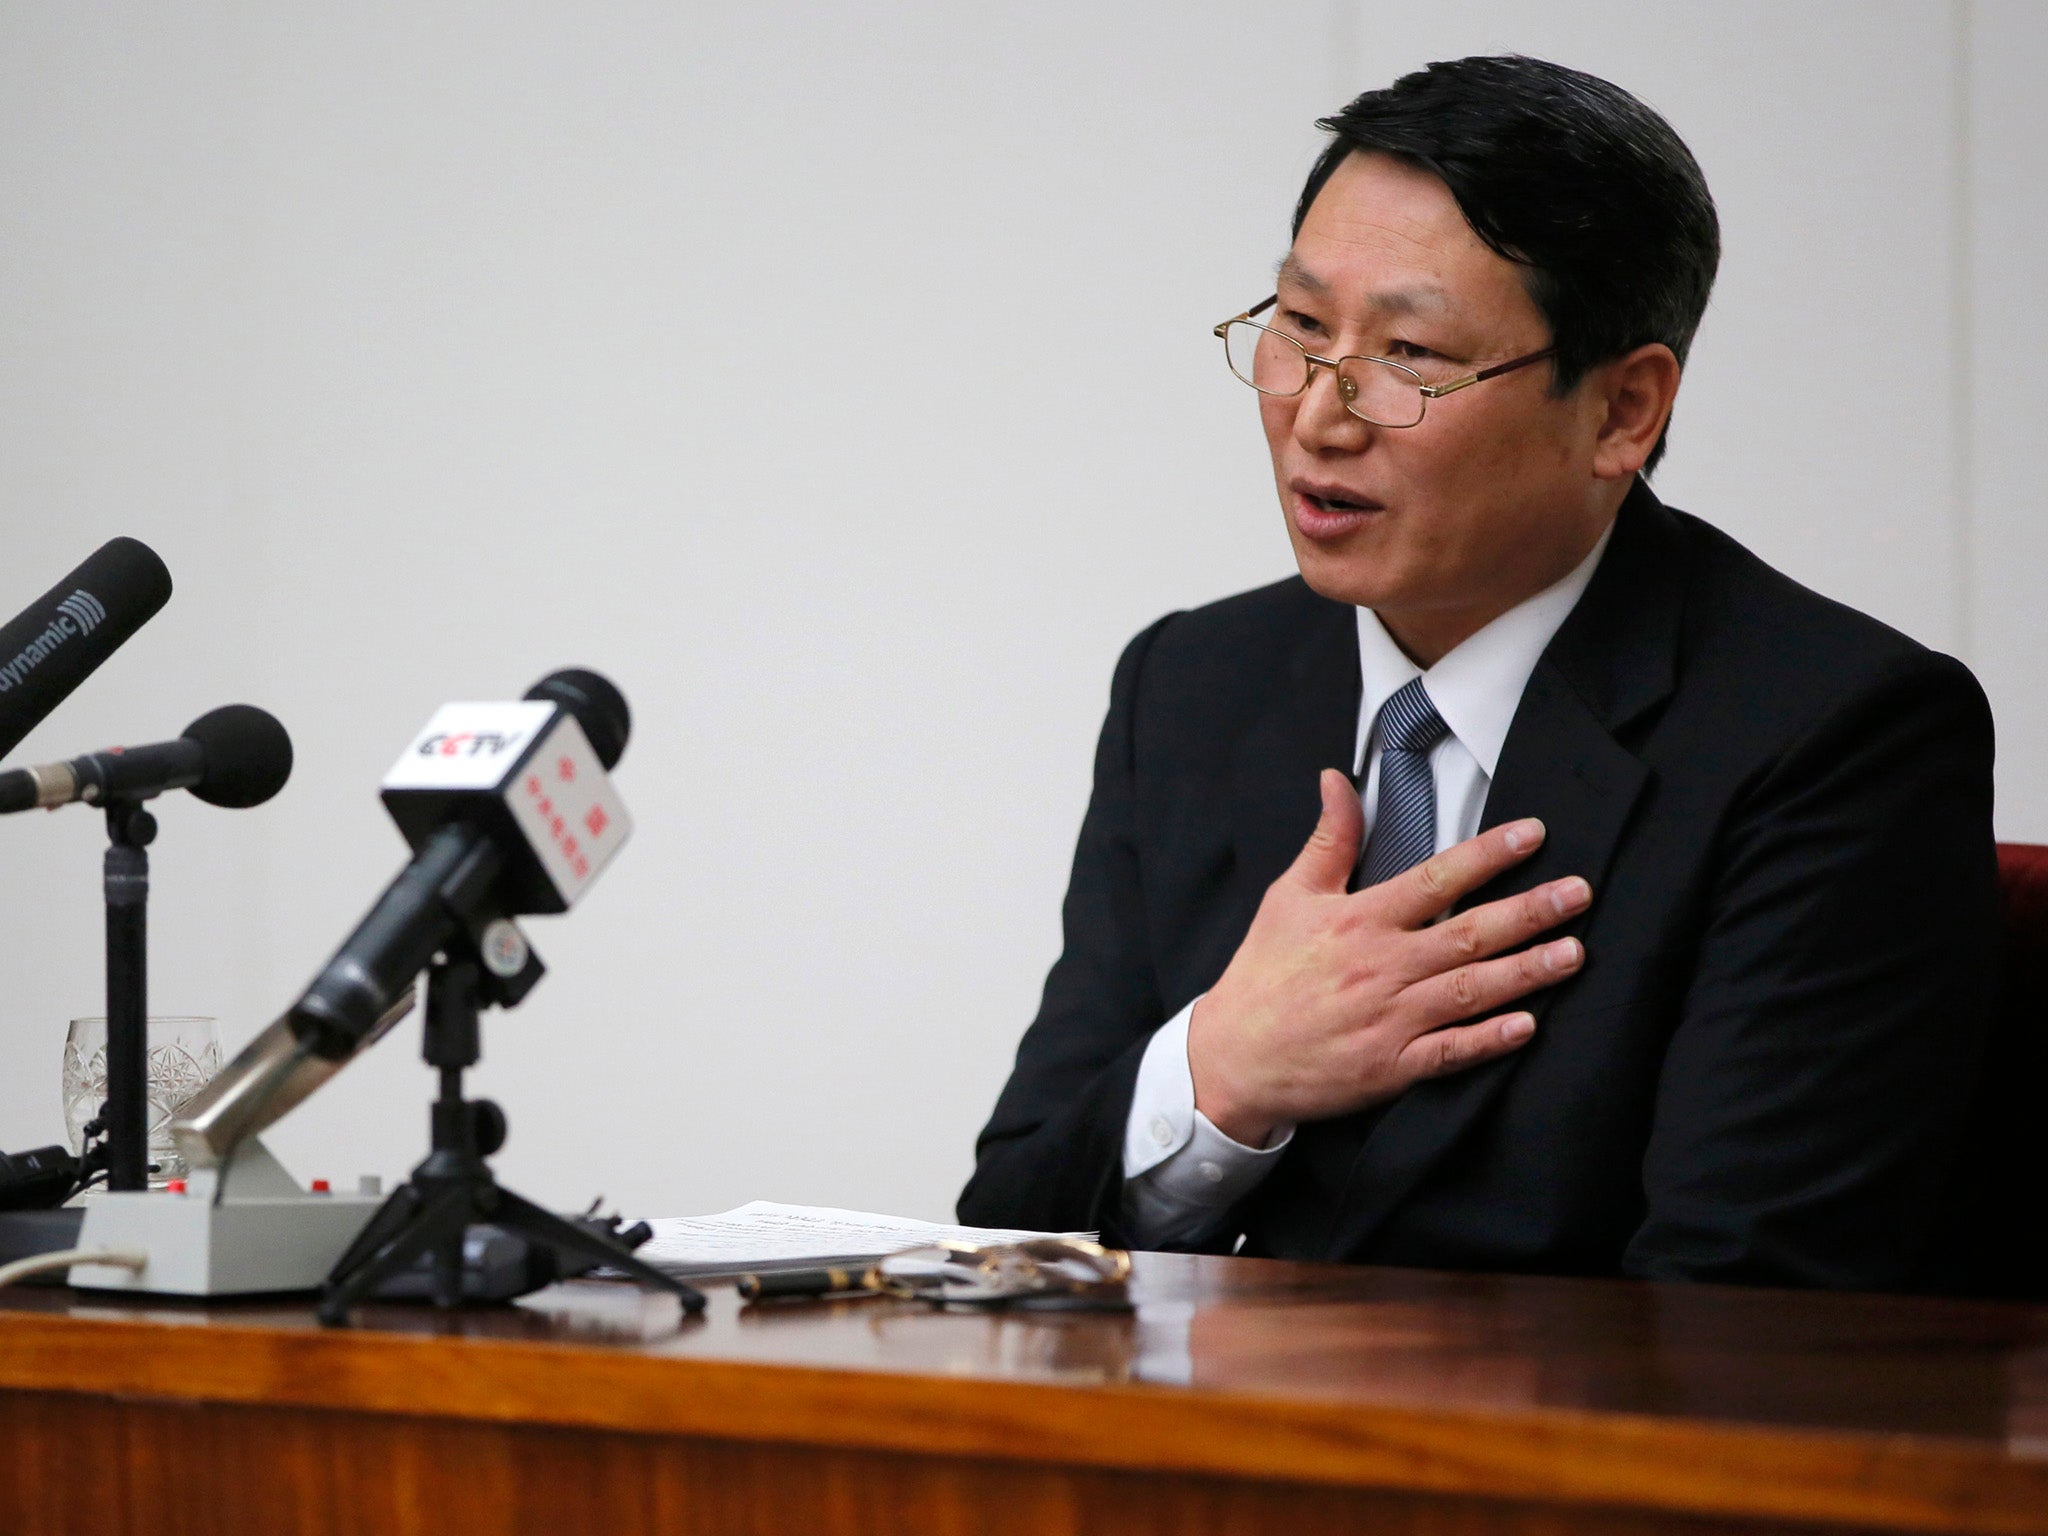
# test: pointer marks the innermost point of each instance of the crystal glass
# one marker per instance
(184, 1054)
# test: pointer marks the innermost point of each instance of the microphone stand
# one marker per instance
(130, 830)
(432, 1211)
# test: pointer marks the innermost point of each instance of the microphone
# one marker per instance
(235, 756)
(509, 809)
(60, 639)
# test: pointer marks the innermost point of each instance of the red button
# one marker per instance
(322, 1187)
(175, 1187)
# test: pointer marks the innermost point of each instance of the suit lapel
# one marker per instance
(1611, 662)
(1311, 725)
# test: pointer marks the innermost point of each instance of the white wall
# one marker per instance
(841, 384)
(2002, 307)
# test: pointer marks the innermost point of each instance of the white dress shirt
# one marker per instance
(1181, 1174)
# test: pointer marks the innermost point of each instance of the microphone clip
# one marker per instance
(508, 966)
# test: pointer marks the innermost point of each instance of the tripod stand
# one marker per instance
(432, 1211)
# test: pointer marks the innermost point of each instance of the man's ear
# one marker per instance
(1636, 392)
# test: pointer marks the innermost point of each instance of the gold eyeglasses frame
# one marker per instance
(1041, 1268)
(1347, 388)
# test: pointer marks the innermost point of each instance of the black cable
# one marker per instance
(92, 1156)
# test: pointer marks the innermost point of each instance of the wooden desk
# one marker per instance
(1242, 1395)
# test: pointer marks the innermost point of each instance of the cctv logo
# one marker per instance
(468, 743)
(79, 614)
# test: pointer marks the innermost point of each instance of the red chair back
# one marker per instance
(2023, 891)
(1998, 1228)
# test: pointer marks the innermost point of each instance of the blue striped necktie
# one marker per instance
(1404, 826)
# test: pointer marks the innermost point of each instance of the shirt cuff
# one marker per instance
(1168, 1138)
(1181, 1174)
(1162, 1114)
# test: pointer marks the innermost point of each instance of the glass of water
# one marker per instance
(184, 1055)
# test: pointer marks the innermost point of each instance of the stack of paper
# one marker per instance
(762, 1236)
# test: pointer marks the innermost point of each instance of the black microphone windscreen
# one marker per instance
(58, 641)
(598, 706)
(248, 755)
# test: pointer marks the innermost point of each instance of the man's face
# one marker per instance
(1442, 526)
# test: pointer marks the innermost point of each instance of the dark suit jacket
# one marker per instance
(1784, 808)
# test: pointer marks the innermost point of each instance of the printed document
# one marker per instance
(763, 1236)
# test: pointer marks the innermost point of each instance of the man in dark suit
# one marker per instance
(1300, 1013)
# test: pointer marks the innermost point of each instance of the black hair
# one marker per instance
(1566, 175)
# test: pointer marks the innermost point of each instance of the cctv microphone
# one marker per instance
(235, 756)
(60, 639)
(509, 809)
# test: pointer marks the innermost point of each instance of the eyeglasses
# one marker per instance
(1045, 1271)
(1374, 389)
